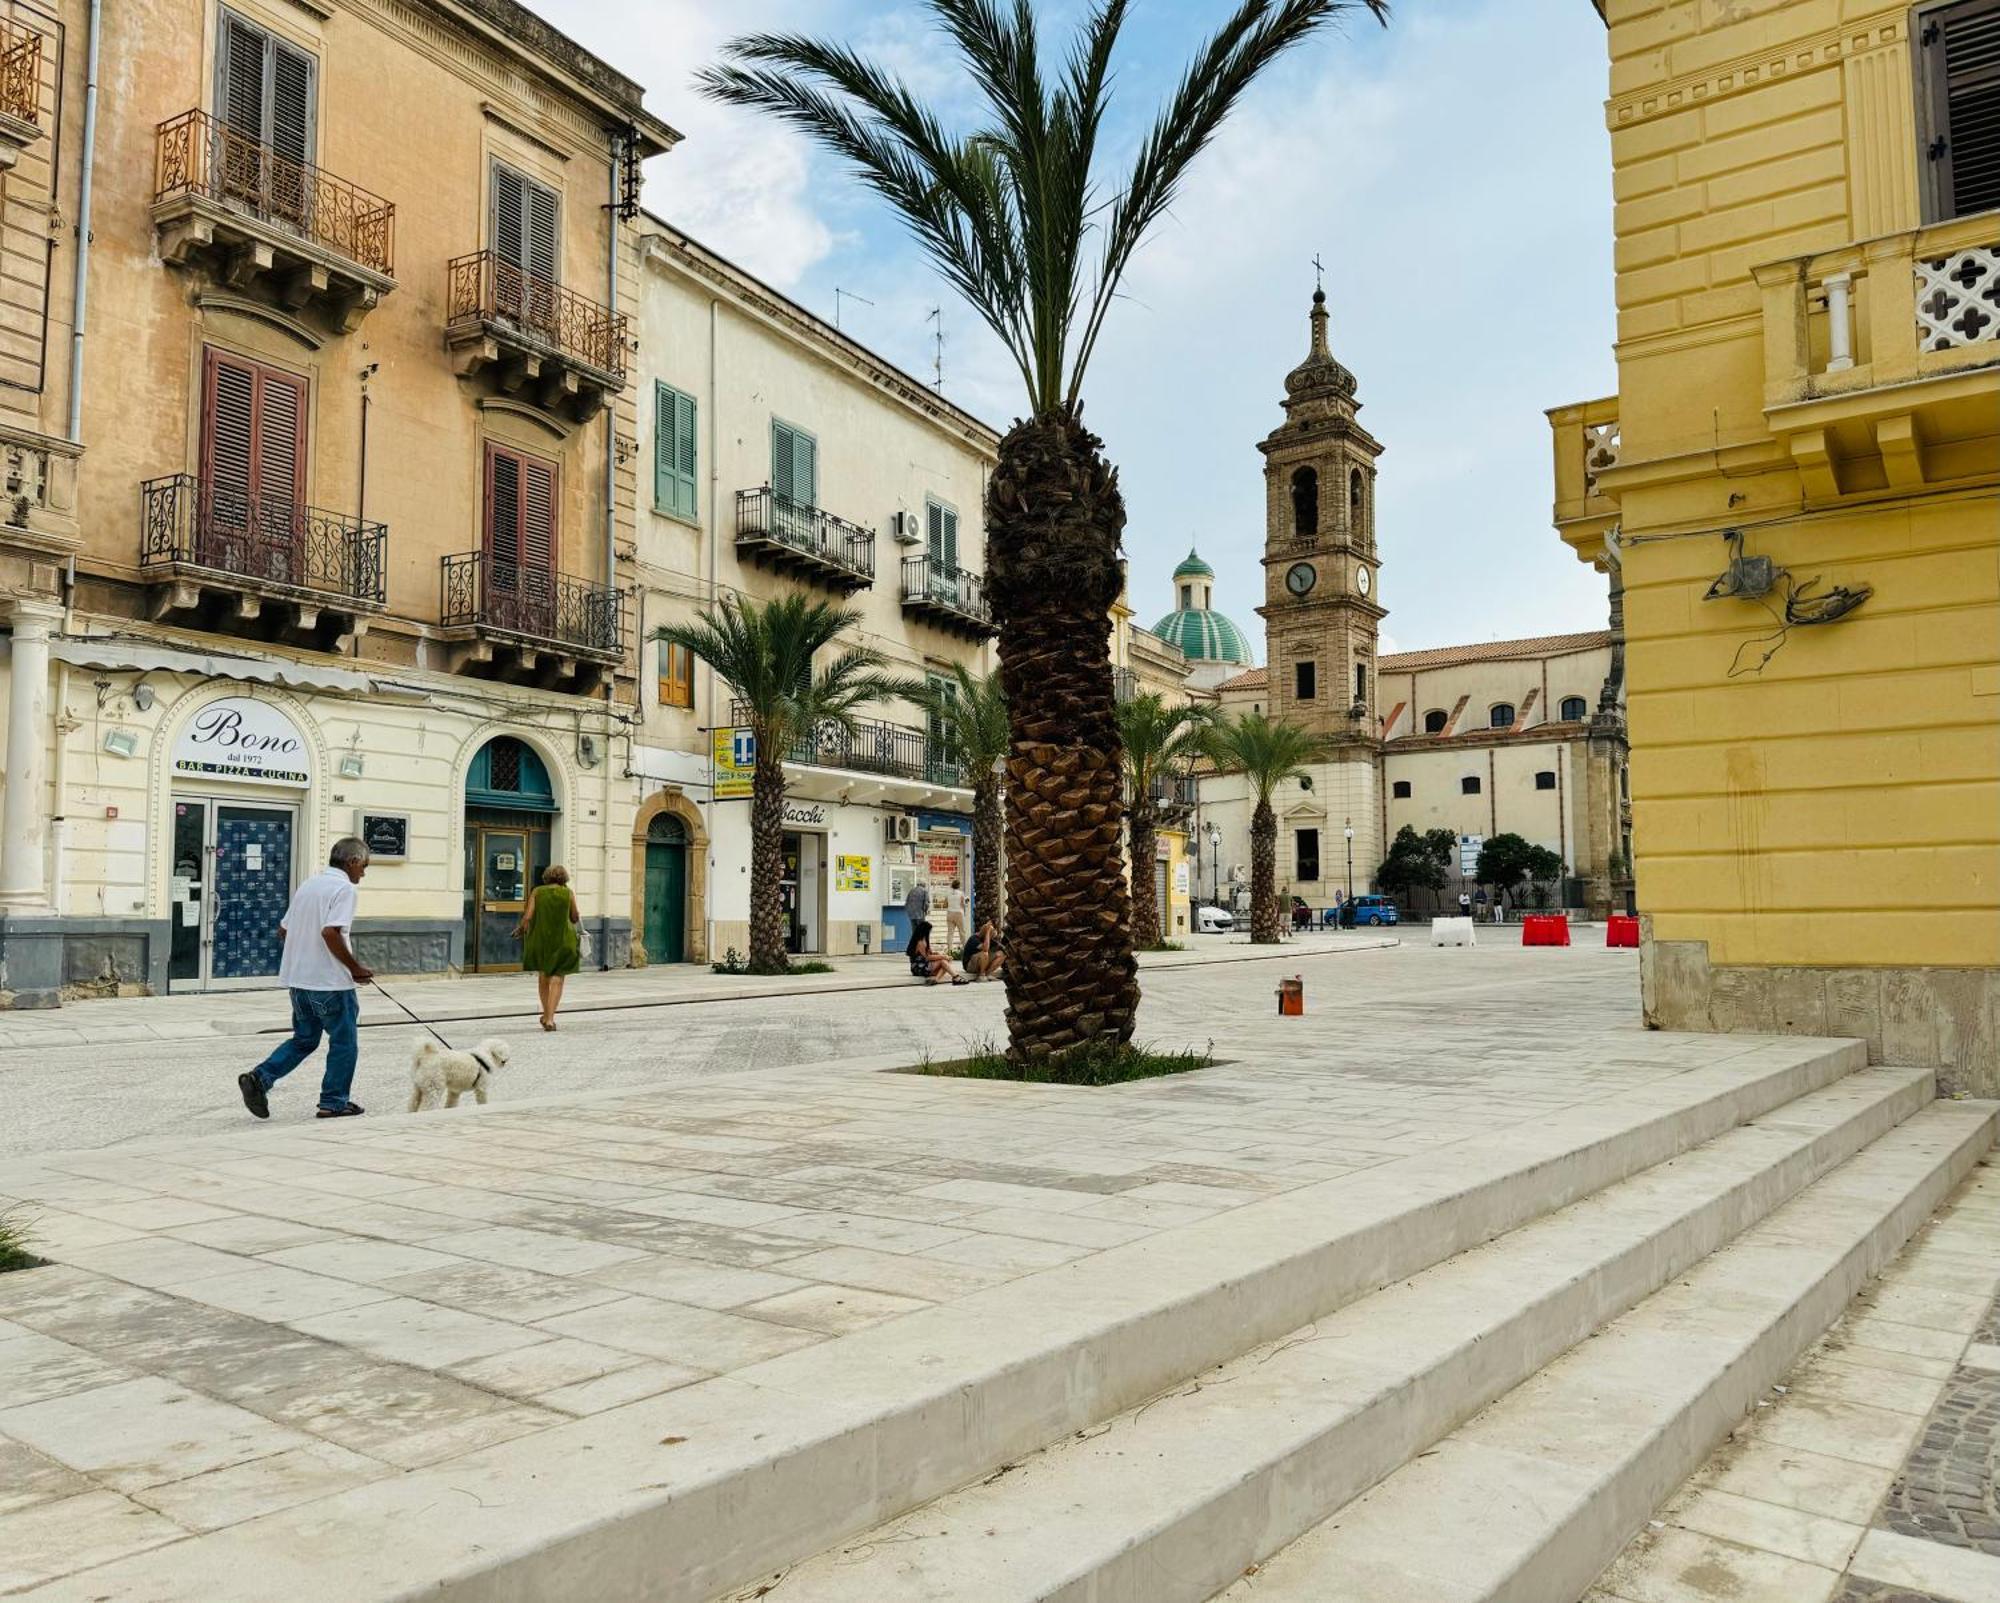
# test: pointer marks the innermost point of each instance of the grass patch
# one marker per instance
(14, 1237)
(1084, 1065)
(1165, 946)
(734, 962)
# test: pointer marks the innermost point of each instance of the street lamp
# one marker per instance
(1349, 832)
(1214, 864)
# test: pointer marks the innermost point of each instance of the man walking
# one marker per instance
(321, 970)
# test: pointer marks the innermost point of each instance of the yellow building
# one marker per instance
(1795, 487)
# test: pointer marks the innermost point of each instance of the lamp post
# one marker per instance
(1214, 864)
(1349, 832)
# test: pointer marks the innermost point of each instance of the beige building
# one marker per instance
(318, 515)
(1145, 663)
(786, 455)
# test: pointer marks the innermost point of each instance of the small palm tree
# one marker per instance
(765, 651)
(1017, 215)
(1267, 752)
(970, 713)
(1158, 739)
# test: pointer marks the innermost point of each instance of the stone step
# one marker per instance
(723, 1482)
(1168, 1502)
(1541, 1491)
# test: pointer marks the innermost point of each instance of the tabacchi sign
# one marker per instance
(245, 742)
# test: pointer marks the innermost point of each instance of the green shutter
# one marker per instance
(805, 468)
(689, 502)
(951, 539)
(783, 481)
(674, 489)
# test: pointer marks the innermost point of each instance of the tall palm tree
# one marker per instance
(970, 713)
(1267, 752)
(1158, 739)
(1017, 215)
(765, 651)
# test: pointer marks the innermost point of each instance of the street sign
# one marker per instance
(1468, 854)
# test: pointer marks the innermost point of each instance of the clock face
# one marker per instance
(1361, 578)
(1300, 577)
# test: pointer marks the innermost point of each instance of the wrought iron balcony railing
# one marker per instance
(805, 537)
(535, 604)
(871, 747)
(950, 596)
(20, 73)
(198, 154)
(265, 540)
(485, 288)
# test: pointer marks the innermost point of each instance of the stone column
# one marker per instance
(24, 820)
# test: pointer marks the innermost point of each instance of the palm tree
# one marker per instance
(764, 650)
(1158, 739)
(970, 714)
(1267, 752)
(1017, 216)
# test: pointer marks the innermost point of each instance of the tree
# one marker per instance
(1266, 752)
(765, 651)
(1507, 860)
(1158, 739)
(1416, 862)
(970, 712)
(1016, 215)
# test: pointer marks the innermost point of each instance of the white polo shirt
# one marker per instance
(322, 902)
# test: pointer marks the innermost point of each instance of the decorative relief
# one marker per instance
(1600, 452)
(1747, 72)
(1958, 299)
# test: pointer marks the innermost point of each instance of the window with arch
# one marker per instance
(1575, 709)
(1356, 495)
(667, 830)
(1435, 720)
(1502, 715)
(1361, 681)
(1469, 785)
(1545, 779)
(1187, 598)
(508, 772)
(1305, 502)
(1400, 790)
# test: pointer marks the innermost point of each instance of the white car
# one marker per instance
(1213, 921)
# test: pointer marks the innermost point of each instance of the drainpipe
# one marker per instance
(80, 296)
(714, 490)
(610, 558)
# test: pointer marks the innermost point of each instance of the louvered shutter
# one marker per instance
(689, 504)
(538, 516)
(784, 459)
(252, 467)
(539, 252)
(1961, 47)
(673, 452)
(229, 426)
(509, 207)
(934, 532)
(291, 124)
(503, 514)
(805, 469)
(241, 91)
(950, 522)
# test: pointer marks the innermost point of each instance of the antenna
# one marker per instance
(937, 317)
(839, 295)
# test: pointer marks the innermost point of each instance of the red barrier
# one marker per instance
(1621, 931)
(1545, 929)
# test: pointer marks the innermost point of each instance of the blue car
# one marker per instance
(1370, 910)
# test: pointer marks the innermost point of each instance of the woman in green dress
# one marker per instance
(550, 946)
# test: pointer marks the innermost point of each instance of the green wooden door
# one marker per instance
(666, 901)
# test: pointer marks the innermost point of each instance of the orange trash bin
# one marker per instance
(1292, 996)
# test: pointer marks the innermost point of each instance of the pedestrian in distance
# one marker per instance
(1464, 905)
(548, 933)
(320, 970)
(954, 917)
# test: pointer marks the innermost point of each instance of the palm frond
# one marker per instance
(1266, 751)
(1159, 736)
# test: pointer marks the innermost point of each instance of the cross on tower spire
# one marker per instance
(1319, 275)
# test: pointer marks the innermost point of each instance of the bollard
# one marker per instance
(1291, 997)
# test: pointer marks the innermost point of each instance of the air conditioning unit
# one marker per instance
(903, 528)
(899, 828)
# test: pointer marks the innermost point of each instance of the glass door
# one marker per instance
(503, 868)
(231, 881)
(187, 894)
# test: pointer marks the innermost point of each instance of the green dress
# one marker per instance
(551, 946)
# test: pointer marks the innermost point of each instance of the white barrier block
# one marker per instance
(1453, 932)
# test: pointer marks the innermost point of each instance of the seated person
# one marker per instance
(983, 955)
(926, 964)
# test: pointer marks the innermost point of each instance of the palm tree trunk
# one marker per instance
(1264, 930)
(1053, 520)
(986, 826)
(1145, 903)
(767, 862)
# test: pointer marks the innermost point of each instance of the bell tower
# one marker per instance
(1322, 603)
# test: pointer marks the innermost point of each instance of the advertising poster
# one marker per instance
(734, 757)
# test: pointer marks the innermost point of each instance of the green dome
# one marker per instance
(1194, 568)
(1204, 636)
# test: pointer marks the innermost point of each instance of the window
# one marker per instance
(1959, 95)
(1545, 779)
(1305, 681)
(1306, 847)
(520, 518)
(1400, 790)
(1575, 709)
(941, 538)
(1354, 500)
(1502, 715)
(1187, 598)
(1469, 785)
(265, 91)
(1435, 720)
(1305, 502)
(526, 229)
(1361, 681)
(674, 491)
(253, 446)
(676, 675)
(794, 465)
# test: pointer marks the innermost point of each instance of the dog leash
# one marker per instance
(441, 1041)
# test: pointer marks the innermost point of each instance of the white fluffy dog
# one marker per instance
(439, 1076)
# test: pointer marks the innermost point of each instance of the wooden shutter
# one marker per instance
(509, 207)
(674, 453)
(290, 129)
(538, 515)
(240, 92)
(229, 426)
(950, 522)
(1961, 62)
(805, 468)
(253, 446)
(540, 250)
(503, 507)
(676, 676)
(934, 532)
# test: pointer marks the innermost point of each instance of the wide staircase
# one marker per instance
(1497, 1371)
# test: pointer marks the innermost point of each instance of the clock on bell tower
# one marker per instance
(1321, 607)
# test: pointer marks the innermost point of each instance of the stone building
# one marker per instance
(315, 411)
(1797, 488)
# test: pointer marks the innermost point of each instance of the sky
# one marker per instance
(1451, 170)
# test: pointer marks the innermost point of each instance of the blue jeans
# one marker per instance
(337, 1016)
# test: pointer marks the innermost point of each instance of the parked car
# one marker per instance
(1372, 910)
(1212, 920)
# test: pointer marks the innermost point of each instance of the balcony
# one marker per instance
(900, 756)
(20, 91)
(532, 339)
(808, 542)
(1586, 440)
(1879, 358)
(530, 626)
(264, 566)
(949, 598)
(260, 223)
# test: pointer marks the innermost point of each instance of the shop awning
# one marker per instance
(146, 657)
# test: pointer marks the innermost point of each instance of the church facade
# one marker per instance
(1517, 736)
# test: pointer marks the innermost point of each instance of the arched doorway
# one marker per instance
(666, 890)
(510, 808)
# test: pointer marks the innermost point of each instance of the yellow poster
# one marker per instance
(852, 873)
(734, 758)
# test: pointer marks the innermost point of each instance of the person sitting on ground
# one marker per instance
(926, 964)
(983, 955)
